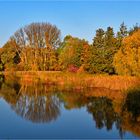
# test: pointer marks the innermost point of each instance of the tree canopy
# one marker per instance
(38, 47)
(127, 59)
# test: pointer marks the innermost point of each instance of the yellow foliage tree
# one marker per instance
(127, 59)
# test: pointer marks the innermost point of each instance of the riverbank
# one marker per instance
(77, 81)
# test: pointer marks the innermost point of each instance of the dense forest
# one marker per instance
(38, 47)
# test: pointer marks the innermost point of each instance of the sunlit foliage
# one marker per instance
(37, 47)
(127, 59)
(9, 57)
(74, 51)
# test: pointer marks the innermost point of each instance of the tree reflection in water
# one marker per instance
(40, 109)
(31, 102)
(41, 103)
(131, 112)
(103, 113)
(132, 103)
(1, 80)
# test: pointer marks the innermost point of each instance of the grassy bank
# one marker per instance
(78, 81)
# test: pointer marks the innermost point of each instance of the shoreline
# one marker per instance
(78, 81)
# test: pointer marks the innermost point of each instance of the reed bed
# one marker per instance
(79, 81)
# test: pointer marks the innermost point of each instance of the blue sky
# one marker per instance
(78, 18)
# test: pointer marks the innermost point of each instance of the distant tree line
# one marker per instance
(38, 47)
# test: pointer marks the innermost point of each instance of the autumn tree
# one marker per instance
(38, 47)
(127, 59)
(37, 44)
(85, 57)
(73, 52)
(134, 29)
(1, 64)
(9, 57)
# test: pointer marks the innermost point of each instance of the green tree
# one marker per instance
(104, 46)
(122, 33)
(110, 50)
(72, 52)
(97, 48)
(98, 40)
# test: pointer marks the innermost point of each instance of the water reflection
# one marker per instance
(30, 102)
(102, 111)
(40, 103)
(132, 103)
(1, 80)
(131, 111)
(38, 109)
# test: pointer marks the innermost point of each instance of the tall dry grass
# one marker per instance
(79, 81)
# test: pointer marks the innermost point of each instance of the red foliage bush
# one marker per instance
(72, 68)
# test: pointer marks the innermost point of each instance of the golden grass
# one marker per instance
(78, 81)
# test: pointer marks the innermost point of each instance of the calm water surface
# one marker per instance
(36, 110)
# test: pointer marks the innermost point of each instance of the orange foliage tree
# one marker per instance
(127, 59)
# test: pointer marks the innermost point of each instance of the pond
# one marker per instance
(36, 110)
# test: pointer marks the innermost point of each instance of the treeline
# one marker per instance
(38, 47)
